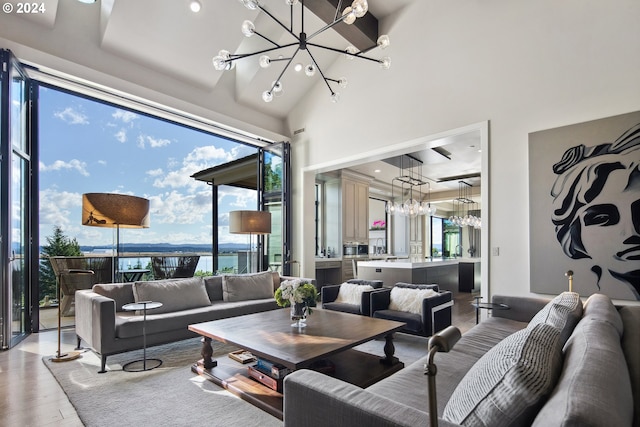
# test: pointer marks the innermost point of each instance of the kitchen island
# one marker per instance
(455, 275)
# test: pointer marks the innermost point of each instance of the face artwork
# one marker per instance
(596, 210)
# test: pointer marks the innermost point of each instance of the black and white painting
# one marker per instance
(584, 205)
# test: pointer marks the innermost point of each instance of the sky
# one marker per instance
(91, 147)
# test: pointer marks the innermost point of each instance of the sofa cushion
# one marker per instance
(242, 287)
(594, 387)
(413, 321)
(409, 300)
(213, 284)
(599, 306)
(122, 293)
(564, 311)
(351, 293)
(175, 295)
(507, 384)
(630, 316)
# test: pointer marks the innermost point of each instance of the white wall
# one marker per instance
(523, 65)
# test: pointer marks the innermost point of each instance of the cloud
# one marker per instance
(124, 116)
(121, 135)
(180, 209)
(71, 116)
(155, 172)
(144, 140)
(198, 159)
(59, 208)
(74, 164)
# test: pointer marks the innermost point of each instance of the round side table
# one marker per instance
(486, 306)
(134, 366)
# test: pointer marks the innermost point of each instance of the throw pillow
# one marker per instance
(175, 295)
(351, 293)
(243, 287)
(563, 312)
(505, 386)
(122, 293)
(408, 299)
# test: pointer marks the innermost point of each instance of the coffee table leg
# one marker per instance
(389, 350)
(207, 352)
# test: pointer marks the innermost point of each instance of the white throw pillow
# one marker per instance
(350, 293)
(410, 300)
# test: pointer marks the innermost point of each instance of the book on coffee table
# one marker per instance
(242, 356)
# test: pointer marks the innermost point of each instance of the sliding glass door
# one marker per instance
(16, 181)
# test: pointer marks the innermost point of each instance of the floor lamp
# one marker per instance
(250, 222)
(71, 274)
(115, 211)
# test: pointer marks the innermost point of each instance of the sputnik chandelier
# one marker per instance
(302, 42)
(461, 204)
(411, 207)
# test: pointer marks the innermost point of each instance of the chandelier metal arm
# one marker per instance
(266, 38)
(278, 21)
(326, 27)
(321, 73)
(271, 49)
(283, 70)
(355, 55)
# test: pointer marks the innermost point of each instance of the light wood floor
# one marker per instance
(30, 396)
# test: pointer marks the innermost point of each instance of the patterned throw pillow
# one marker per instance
(562, 312)
(351, 293)
(505, 386)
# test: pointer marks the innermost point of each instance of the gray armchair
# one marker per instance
(435, 315)
(329, 294)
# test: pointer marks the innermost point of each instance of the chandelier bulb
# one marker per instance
(349, 16)
(277, 88)
(250, 4)
(291, 2)
(350, 51)
(360, 8)
(383, 41)
(195, 6)
(265, 61)
(335, 97)
(248, 29)
(267, 96)
(385, 63)
(342, 82)
(298, 67)
(310, 70)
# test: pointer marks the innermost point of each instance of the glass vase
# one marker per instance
(299, 312)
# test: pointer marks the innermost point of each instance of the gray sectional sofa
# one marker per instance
(108, 329)
(541, 363)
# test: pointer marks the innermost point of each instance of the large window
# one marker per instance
(88, 146)
(445, 238)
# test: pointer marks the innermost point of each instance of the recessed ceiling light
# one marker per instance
(195, 6)
(87, 1)
(377, 171)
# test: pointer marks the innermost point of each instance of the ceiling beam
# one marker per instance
(363, 33)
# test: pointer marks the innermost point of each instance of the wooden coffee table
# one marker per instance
(269, 335)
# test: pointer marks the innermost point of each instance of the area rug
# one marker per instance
(172, 395)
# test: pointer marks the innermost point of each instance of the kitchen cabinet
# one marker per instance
(328, 272)
(355, 211)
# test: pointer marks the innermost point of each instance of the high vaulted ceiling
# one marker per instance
(168, 48)
(169, 38)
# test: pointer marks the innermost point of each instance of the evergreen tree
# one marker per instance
(57, 245)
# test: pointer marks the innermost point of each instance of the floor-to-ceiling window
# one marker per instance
(89, 145)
